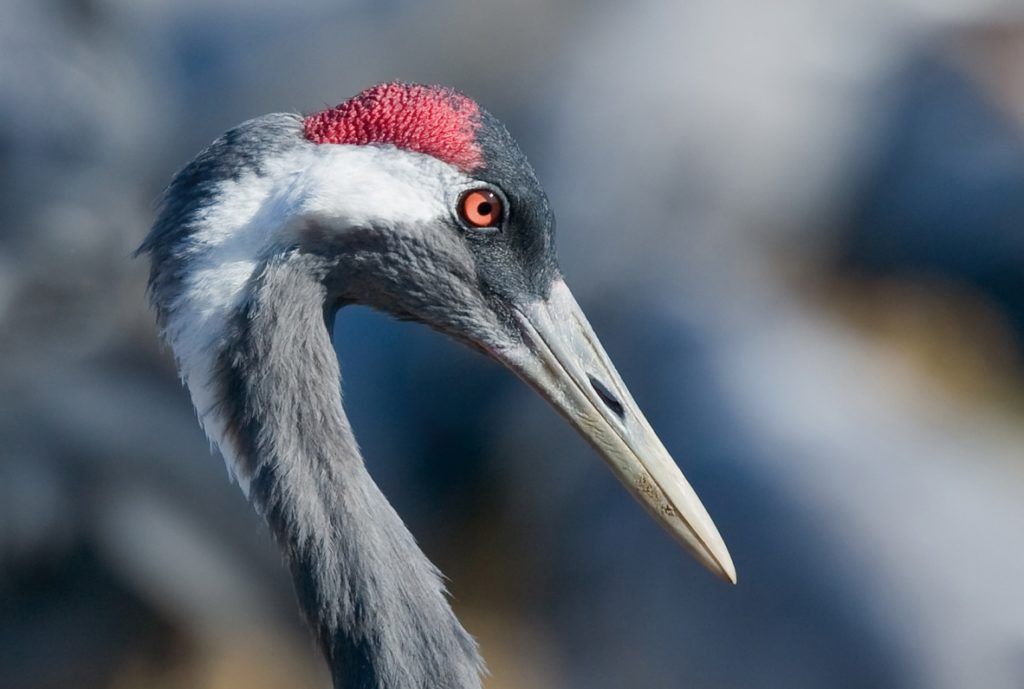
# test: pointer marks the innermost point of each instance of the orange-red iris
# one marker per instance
(480, 208)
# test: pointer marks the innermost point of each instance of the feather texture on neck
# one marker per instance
(245, 315)
(376, 602)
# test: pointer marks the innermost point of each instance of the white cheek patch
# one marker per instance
(354, 186)
(358, 186)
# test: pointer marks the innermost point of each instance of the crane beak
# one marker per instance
(564, 361)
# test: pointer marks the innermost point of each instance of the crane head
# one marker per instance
(416, 201)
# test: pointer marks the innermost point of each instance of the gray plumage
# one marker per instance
(258, 242)
(375, 602)
(238, 151)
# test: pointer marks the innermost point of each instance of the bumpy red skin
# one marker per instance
(432, 120)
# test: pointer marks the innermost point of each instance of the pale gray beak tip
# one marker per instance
(563, 359)
(726, 569)
(716, 558)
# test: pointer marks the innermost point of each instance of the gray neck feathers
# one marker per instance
(376, 603)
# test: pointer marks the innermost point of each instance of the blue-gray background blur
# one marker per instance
(797, 225)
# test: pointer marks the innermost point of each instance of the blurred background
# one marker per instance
(798, 227)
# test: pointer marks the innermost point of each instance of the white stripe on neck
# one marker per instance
(349, 186)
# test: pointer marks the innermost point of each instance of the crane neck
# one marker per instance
(376, 603)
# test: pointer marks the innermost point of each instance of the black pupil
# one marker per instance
(484, 208)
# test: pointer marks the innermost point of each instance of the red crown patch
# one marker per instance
(433, 120)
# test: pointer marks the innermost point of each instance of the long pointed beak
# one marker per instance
(564, 361)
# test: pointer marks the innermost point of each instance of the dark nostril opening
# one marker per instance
(607, 397)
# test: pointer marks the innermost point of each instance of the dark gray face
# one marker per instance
(381, 226)
(517, 262)
(496, 286)
(462, 279)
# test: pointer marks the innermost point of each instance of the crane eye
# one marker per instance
(480, 208)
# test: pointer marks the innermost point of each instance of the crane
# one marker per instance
(415, 201)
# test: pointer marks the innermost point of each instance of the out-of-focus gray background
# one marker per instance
(797, 225)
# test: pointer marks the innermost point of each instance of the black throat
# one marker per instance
(376, 603)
